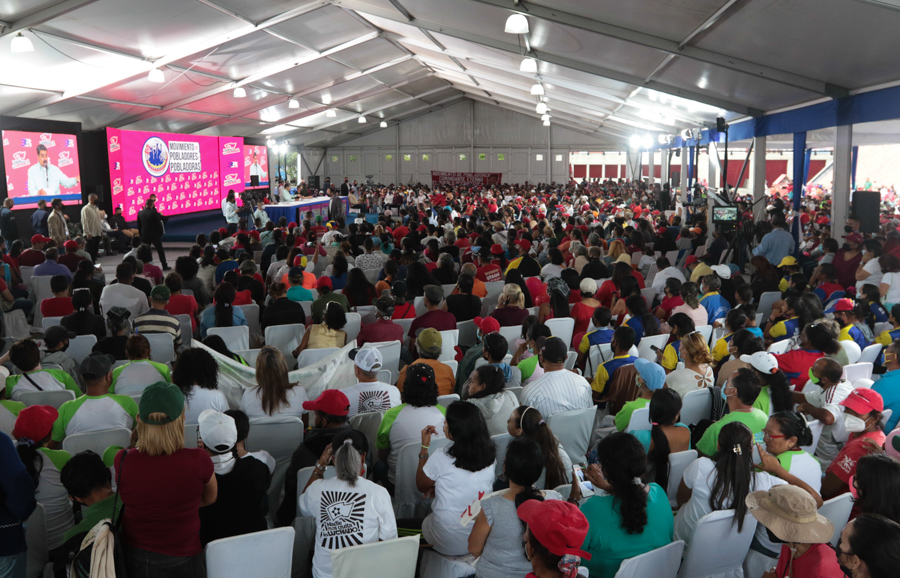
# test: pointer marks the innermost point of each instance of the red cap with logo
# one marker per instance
(487, 325)
(559, 526)
(40, 239)
(863, 400)
(330, 401)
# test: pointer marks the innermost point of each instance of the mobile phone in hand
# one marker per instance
(578, 471)
(656, 349)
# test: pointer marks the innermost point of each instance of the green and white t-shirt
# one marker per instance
(94, 413)
(403, 425)
(53, 495)
(10, 406)
(46, 379)
(138, 374)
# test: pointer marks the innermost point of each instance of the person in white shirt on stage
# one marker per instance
(256, 170)
(229, 209)
(45, 179)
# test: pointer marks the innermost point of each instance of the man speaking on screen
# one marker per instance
(45, 179)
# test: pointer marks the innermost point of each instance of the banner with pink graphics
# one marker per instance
(41, 166)
(185, 172)
(231, 166)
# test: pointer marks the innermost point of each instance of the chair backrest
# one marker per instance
(27, 274)
(766, 300)
(696, 406)
(368, 424)
(250, 356)
(162, 347)
(780, 347)
(853, 351)
(372, 275)
(645, 347)
(7, 421)
(640, 419)
(882, 327)
(191, 435)
(187, 328)
(285, 338)
(268, 553)
(453, 365)
(449, 340)
(42, 291)
(51, 398)
(501, 442)
(279, 436)
(135, 377)
(649, 295)
(307, 310)
(419, 304)
(467, 333)
(96, 441)
(251, 312)
(236, 336)
(705, 331)
(310, 356)
(38, 554)
(407, 498)
(571, 358)
(390, 357)
(511, 334)
(678, 462)
(446, 400)
(573, 429)
(717, 547)
(517, 391)
(385, 376)
(870, 354)
(389, 559)
(366, 313)
(48, 322)
(563, 328)
(857, 370)
(837, 510)
(303, 475)
(865, 384)
(659, 563)
(81, 346)
(354, 324)
(188, 292)
(405, 324)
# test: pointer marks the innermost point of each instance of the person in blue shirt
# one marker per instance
(871, 296)
(716, 306)
(601, 335)
(642, 321)
(777, 244)
(682, 325)
(849, 316)
(889, 384)
(622, 342)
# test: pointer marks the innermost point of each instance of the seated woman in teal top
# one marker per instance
(666, 435)
(627, 518)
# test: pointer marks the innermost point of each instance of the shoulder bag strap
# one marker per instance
(28, 377)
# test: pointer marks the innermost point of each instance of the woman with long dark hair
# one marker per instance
(528, 422)
(223, 313)
(558, 305)
(775, 395)
(632, 517)
(642, 321)
(197, 376)
(612, 288)
(217, 344)
(666, 436)
(870, 547)
(496, 537)
(446, 270)
(874, 486)
(339, 269)
(458, 475)
(359, 290)
(417, 278)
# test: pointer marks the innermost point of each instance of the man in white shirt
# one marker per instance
(666, 271)
(229, 210)
(261, 215)
(256, 169)
(824, 404)
(370, 395)
(370, 259)
(559, 390)
(45, 179)
(123, 294)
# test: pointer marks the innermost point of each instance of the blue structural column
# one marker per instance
(854, 158)
(799, 182)
(690, 167)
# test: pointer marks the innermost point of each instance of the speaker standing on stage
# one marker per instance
(229, 209)
(150, 225)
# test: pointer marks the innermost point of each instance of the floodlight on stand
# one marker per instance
(516, 24)
(647, 141)
(537, 90)
(662, 138)
(528, 65)
(362, 119)
(282, 148)
(545, 117)
(383, 124)
(547, 122)
(156, 75)
(541, 108)
(293, 103)
(21, 44)
(239, 92)
(330, 113)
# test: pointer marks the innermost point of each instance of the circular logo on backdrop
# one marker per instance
(155, 156)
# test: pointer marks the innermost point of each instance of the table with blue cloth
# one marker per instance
(294, 211)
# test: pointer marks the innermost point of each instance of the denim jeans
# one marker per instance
(13, 566)
(146, 564)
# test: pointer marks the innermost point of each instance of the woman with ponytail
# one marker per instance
(223, 313)
(775, 395)
(349, 510)
(632, 517)
(528, 422)
(666, 436)
(497, 534)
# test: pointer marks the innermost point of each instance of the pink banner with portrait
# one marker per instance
(41, 166)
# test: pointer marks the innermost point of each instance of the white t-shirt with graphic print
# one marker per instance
(369, 397)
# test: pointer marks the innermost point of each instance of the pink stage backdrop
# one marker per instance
(28, 180)
(183, 171)
(231, 153)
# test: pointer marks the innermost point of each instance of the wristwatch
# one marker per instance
(320, 470)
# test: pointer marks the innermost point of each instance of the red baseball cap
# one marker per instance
(35, 422)
(323, 282)
(487, 325)
(70, 244)
(421, 229)
(496, 249)
(40, 239)
(860, 400)
(525, 244)
(844, 305)
(559, 526)
(292, 224)
(330, 401)
(223, 231)
(255, 235)
(690, 259)
(855, 238)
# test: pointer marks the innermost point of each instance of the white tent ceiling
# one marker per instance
(610, 68)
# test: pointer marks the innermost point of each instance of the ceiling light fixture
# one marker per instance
(516, 24)
(362, 119)
(647, 141)
(545, 117)
(293, 103)
(156, 75)
(282, 148)
(330, 113)
(21, 44)
(326, 99)
(383, 124)
(547, 122)
(528, 65)
(239, 92)
(541, 108)
(537, 90)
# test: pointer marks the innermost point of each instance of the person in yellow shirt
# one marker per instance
(698, 268)
(788, 267)
(622, 341)
(682, 325)
(734, 322)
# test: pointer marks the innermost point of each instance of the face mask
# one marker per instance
(773, 538)
(812, 377)
(848, 229)
(863, 253)
(724, 396)
(845, 246)
(854, 424)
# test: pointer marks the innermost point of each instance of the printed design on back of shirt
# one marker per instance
(372, 401)
(341, 519)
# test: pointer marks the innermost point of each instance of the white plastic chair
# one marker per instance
(408, 500)
(882, 327)
(419, 304)
(405, 324)
(501, 442)
(279, 436)
(368, 424)
(467, 333)
(837, 510)
(97, 441)
(562, 328)
(453, 365)
(307, 310)
(678, 462)
(886, 417)
(191, 435)
(640, 420)
(81, 346)
(384, 376)
(187, 329)
(48, 322)
(268, 553)
(250, 355)
(7, 421)
(354, 324)
(779, 347)
(649, 294)
(366, 313)
(449, 340)
(236, 336)
(162, 347)
(251, 312)
(645, 347)
(766, 300)
(573, 429)
(816, 427)
(856, 371)
(448, 289)
(863, 383)
(659, 563)
(706, 332)
(372, 275)
(389, 559)
(853, 351)
(517, 391)
(285, 338)
(311, 356)
(446, 400)
(41, 291)
(717, 547)
(51, 398)
(870, 354)
(436, 565)
(511, 334)
(390, 356)
(27, 274)
(696, 406)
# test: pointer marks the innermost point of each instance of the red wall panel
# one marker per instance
(579, 171)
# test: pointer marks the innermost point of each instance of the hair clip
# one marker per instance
(348, 441)
(737, 449)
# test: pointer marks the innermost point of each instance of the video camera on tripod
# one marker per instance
(253, 196)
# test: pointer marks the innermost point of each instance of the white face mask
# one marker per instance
(854, 424)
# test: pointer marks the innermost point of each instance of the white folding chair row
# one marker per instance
(162, 347)
(870, 354)
(267, 553)
(573, 430)
(96, 441)
(285, 338)
(51, 398)
(48, 322)
(237, 336)
(696, 406)
(279, 436)
(80, 347)
(353, 326)
(251, 312)
(449, 340)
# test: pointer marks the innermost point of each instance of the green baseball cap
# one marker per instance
(160, 293)
(161, 397)
(430, 340)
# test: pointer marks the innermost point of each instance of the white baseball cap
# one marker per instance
(761, 361)
(217, 430)
(368, 359)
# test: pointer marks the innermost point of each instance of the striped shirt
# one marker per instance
(159, 321)
(558, 392)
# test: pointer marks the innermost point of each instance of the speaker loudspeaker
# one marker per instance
(867, 209)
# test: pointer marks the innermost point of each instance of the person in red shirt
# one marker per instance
(400, 232)
(70, 259)
(383, 329)
(488, 272)
(434, 317)
(180, 304)
(34, 255)
(862, 420)
(60, 304)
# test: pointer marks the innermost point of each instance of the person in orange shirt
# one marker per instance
(428, 346)
(479, 290)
